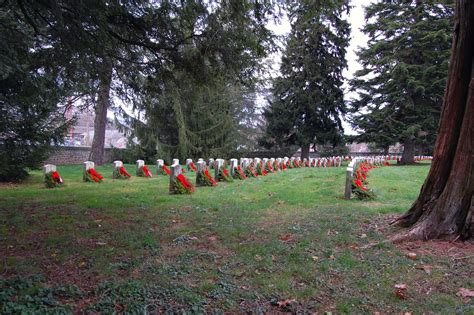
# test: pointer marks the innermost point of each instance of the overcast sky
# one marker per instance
(358, 39)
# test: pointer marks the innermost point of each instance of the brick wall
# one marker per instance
(74, 155)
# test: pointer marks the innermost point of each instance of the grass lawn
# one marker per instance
(285, 242)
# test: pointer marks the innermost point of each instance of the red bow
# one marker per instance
(96, 177)
(185, 183)
(57, 178)
(122, 171)
(206, 173)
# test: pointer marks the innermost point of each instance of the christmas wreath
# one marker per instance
(203, 178)
(250, 172)
(276, 166)
(269, 168)
(224, 176)
(192, 167)
(239, 174)
(260, 170)
(91, 175)
(143, 171)
(52, 179)
(120, 173)
(182, 186)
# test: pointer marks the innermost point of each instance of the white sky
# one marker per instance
(358, 39)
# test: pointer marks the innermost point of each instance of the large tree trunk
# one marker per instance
(445, 206)
(408, 155)
(100, 122)
(305, 151)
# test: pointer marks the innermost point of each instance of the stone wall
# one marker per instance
(74, 155)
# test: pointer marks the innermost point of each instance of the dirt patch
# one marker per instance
(437, 248)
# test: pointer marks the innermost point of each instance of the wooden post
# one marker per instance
(175, 171)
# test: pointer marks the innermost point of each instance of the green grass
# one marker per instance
(127, 246)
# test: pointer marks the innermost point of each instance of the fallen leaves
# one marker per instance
(425, 268)
(401, 291)
(412, 256)
(285, 303)
(465, 294)
(285, 237)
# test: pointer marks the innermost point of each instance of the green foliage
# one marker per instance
(49, 181)
(197, 95)
(32, 84)
(308, 97)
(203, 180)
(31, 295)
(224, 175)
(400, 87)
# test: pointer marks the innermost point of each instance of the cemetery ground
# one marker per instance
(286, 242)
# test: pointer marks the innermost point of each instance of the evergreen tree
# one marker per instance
(189, 100)
(400, 87)
(308, 97)
(33, 82)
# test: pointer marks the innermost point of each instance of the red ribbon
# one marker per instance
(146, 171)
(252, 171)
(270, 168)
(226, 174)
(206, 173)
(122, 171)
(358, 183)
(191, 165)
(185, 183)
(96, 177)
(239, 169)
(167, 171)
(56, 177)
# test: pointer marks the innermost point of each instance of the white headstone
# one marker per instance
(48, 168)
(174, 172)
(118, 164)
(233, 166)
(159, 164)
(218, 164)
(88, 165)
(175, 161)
(140, 163)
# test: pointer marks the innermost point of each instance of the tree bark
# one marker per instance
(100, 121)
(305, 151)
(445, 206)
(408, 155)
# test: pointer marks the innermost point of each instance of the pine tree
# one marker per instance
(190, 100)
(400, 87)
(308, 96)
(34, 87)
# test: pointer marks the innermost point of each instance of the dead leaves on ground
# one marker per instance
(401, 291)
(465, 294)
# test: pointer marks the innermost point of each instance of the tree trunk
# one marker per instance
(408, 155)
(445, 206)
(305, 151)
(100, 122)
